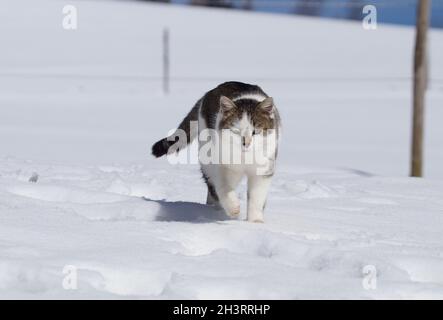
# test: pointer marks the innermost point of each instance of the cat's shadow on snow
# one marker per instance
(183, 211)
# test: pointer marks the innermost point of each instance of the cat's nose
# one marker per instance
(246, 141)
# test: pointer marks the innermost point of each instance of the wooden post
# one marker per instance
(166, 60)
(420, 79)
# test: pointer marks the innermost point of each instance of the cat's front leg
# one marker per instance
(230, 203)
(226, 192)
(258, 187)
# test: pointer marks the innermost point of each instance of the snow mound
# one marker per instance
(321, 230)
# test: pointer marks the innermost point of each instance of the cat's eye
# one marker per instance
(235, 130)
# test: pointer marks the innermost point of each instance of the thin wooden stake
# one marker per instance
(166, 60)
(420, 82)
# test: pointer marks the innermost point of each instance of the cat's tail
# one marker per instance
(169, 144)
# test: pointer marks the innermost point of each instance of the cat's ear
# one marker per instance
(226, 104)
(267, 105)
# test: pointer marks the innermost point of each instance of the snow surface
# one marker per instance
(80, 109)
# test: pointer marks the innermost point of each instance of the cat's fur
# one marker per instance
(247, 112)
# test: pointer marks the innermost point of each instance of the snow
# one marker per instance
(80, 109)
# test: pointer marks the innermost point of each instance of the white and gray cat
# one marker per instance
(249, 121)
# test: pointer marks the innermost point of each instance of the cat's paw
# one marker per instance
(255, 216)
(234, 211)
(231, 205)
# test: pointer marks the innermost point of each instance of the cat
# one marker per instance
(248, 120)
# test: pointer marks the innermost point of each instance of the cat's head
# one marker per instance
(247, 118)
